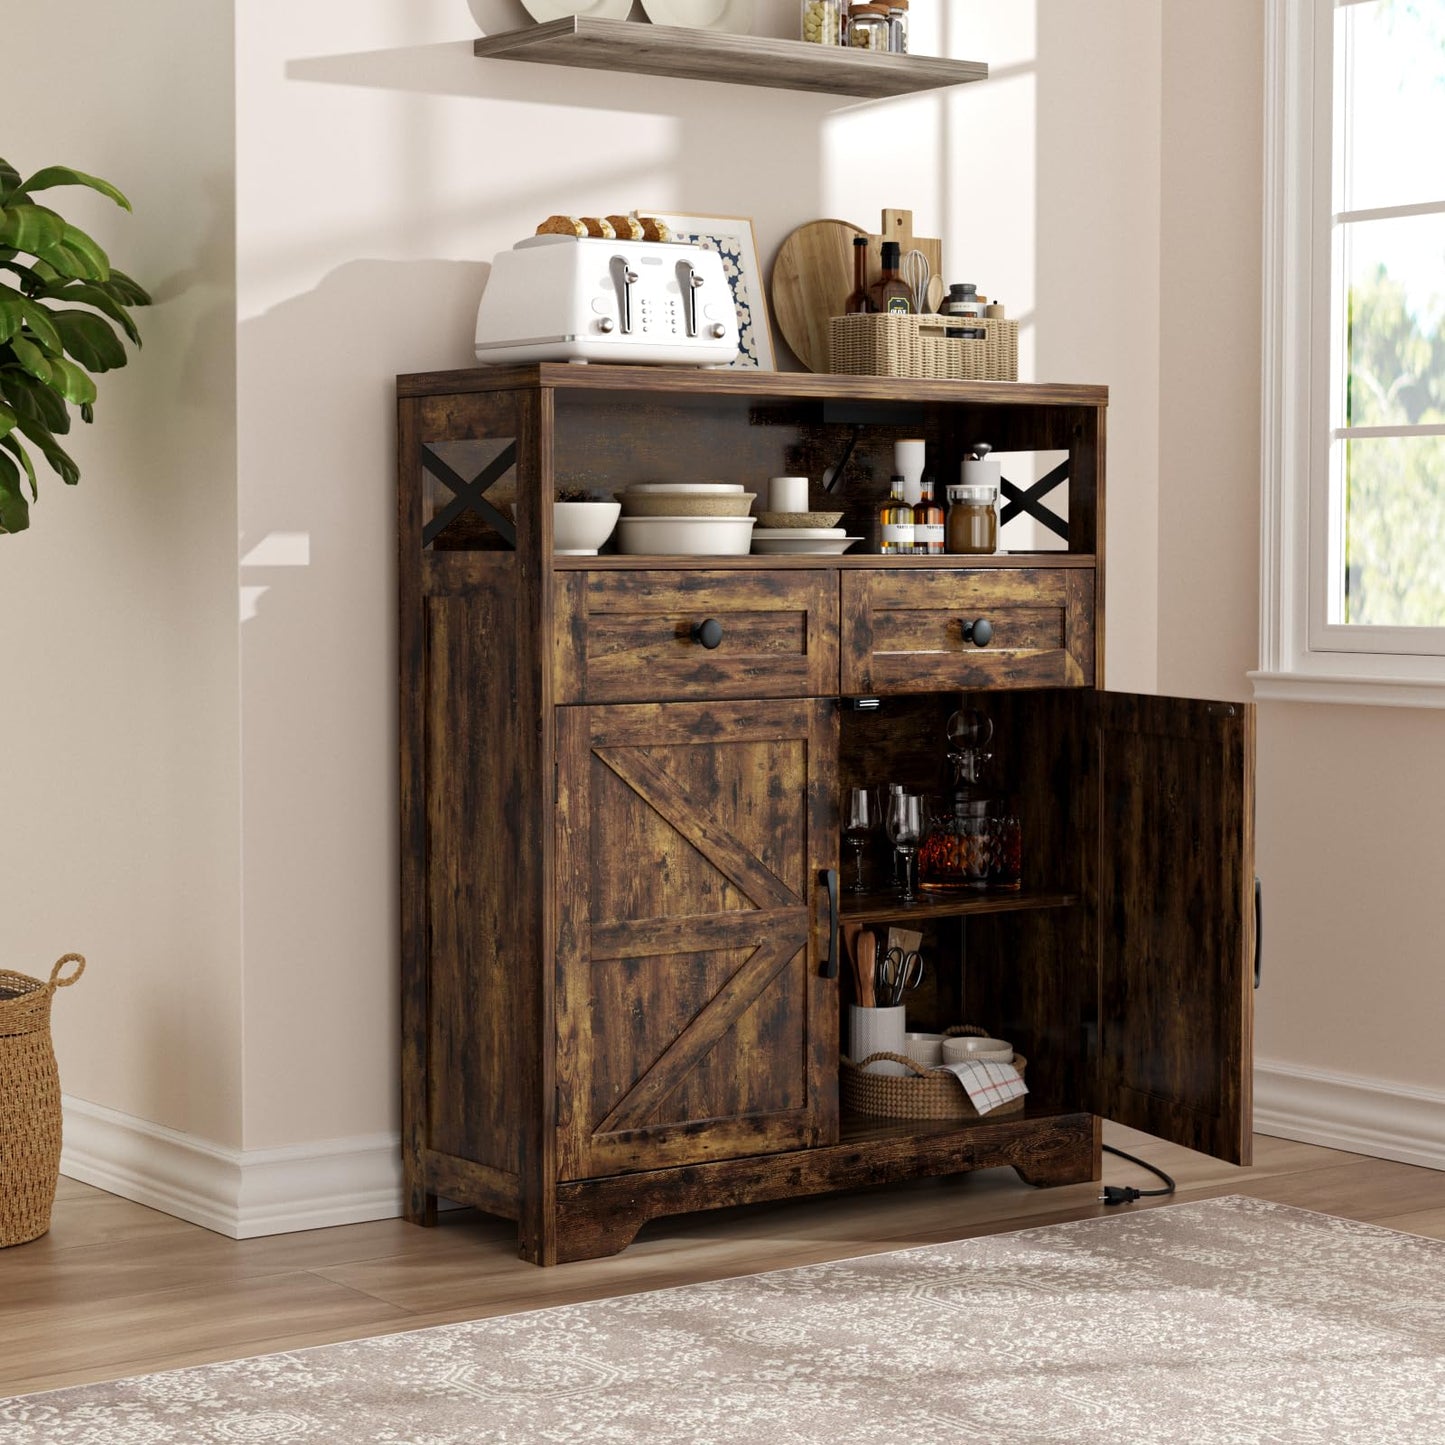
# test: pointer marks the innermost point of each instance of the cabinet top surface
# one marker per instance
(699, 381)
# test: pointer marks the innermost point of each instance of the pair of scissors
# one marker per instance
(898, 972)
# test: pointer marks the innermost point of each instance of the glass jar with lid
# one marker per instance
(972, 523)
(898, 26)
(868, 27)
(822, 22)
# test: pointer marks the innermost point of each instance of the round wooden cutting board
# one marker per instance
(812, 278)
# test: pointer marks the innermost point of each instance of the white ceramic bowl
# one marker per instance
(925, 1049)
(969, 1049)
(685, 536)
(776, 546)
(701, 489)
(580, 528)
(686, 504)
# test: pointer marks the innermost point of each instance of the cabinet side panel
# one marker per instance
(473, 803)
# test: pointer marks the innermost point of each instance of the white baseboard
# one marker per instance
(1344, 1111)
(242, 1193)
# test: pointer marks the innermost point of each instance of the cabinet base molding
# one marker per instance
(597, 1217)
(242, 1193)
(1342, 1111)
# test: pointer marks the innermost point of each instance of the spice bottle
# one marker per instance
(895, 523)
(868, 27)
(898, 26)
(928, 523)
(820, 22)
(857, 302)
(891, 292)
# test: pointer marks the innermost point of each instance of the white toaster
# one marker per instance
(566, 298)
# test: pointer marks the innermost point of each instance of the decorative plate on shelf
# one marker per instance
(544, 10)
(733, 16)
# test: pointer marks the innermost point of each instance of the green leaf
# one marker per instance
(8, 420)
(35, 404)
(31, 228)
(127, 291)
(10, 314)
(42, 328)
(9, 179)
(97, 295)
(90, 340)
(31, 358)
(13, 446)
(76, 240)
(14, 509)
(87, 412)
(70, 381)
(63, 176)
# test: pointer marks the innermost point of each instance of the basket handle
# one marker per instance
(897, 1059)
(55, 979)
(972, 1029)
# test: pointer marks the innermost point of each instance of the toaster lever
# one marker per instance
(626, 279)
(690, 283)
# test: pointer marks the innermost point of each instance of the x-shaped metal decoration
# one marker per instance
(469, 495)
(1017, 501)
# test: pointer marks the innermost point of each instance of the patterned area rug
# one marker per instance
(1229, 1320)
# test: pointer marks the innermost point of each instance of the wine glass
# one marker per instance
(860, 818)
(905, 830)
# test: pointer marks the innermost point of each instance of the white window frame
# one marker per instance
(1303, 656)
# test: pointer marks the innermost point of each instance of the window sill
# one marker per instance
(1354, 690)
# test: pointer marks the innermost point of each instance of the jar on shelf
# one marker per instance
(972, 523)
(821, 21)
(868, 27)
(898, 26)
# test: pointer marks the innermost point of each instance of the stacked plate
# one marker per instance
(801, 533)
(685, 519)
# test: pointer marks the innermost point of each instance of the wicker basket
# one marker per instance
(917, 347)
(29, 1102)
(921, 1093)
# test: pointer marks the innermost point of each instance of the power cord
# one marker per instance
(1121, 1194)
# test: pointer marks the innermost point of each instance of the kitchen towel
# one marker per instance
(989, 1085)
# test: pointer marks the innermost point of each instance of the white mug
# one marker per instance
(788, 494)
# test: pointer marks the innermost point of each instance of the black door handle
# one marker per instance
(1258, 929)
(708, 633)
(979, 632)
(830, 964)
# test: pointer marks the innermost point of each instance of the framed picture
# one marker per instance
(733, 237)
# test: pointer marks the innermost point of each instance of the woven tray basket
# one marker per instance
(29, 1102)
(923, 1094)
(917, 347)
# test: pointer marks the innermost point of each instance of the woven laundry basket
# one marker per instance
(29, 1102)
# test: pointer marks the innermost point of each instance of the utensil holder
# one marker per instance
(877, 1031)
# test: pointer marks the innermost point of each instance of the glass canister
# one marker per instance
(972, 523)
(868, 27)
(821, 22)
(898, 26)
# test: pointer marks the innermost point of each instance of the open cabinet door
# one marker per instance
(1175, 917)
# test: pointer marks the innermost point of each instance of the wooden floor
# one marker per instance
(116, 1289)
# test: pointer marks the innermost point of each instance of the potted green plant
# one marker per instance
(56, 310)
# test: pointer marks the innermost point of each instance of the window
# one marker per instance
(1354, 486)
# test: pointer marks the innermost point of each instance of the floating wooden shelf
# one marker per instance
(687, 54)
(886, 907)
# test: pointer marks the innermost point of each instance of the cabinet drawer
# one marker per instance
(628, 636)
(905, 631)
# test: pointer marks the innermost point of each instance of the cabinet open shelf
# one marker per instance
(688, 54)
(887, 907)
(861, 1129)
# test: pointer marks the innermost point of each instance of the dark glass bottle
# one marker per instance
(858, 302)
(890, 292)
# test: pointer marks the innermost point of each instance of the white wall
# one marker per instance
(119, 796)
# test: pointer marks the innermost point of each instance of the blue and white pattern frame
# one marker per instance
(733, 237)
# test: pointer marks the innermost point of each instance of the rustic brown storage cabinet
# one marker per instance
(620, 991)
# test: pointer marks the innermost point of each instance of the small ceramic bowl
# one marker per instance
(580, 528)
(925, 1049)
(799, 519)
(969, 1049)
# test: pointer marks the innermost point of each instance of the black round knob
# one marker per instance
(708, 633)
(980, 633)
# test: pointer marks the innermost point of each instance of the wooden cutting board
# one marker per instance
(812, 278)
